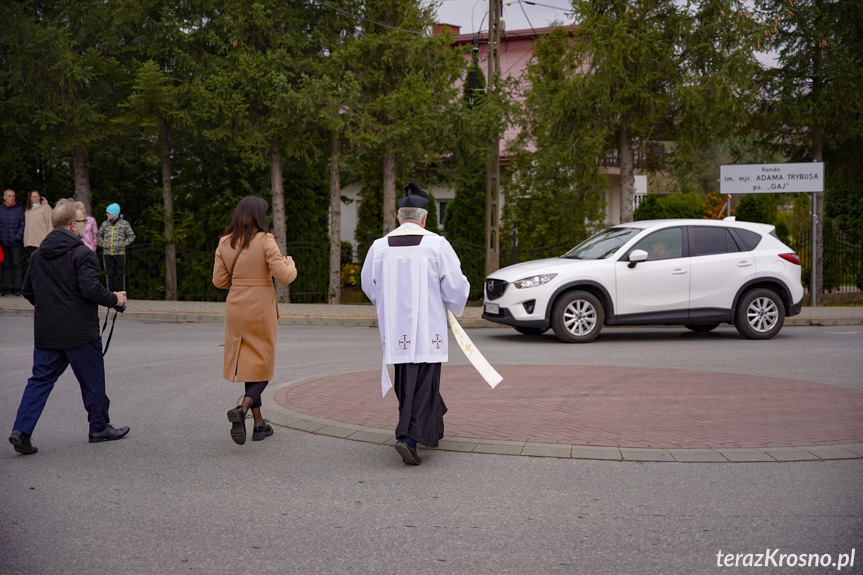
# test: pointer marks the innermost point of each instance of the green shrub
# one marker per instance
(760, 208)
(649, 209)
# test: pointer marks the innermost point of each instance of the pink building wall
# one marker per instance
(516, 50)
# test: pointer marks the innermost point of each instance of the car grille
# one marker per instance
(494, 288)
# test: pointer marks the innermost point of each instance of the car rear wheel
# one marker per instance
(702, 327)
(760, 314)
(531, 330)
(577, 317)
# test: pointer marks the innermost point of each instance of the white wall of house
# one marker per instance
(612, 197)
(350, 211)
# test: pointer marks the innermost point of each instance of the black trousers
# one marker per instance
(421, 407)
(12, 268)
(115, 272)
(254, 389)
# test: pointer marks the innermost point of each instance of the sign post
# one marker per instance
(777, 179)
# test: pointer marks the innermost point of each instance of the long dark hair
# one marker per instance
(29, 203)
(249, 218)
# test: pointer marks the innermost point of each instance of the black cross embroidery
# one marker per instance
(405, 342)
(437, 341)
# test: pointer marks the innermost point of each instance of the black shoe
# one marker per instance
(110, 433)
(21, 442)
(408, 453)
(238, 429)
(262, 431)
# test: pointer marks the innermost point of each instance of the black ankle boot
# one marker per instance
(261, 431)
(237, 417)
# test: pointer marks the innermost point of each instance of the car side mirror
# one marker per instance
(637, 256)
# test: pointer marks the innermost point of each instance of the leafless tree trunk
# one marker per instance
(168, 200)
(335, 295)
(389, 193)
(627, 176)
(82, 178)
(278, 190)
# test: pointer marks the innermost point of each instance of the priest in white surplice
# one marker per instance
(413, 277)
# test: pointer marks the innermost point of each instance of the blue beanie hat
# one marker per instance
(114, 210)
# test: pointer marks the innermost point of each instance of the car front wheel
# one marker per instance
(760, 314)
(577, 317)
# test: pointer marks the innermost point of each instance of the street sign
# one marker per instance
(771, 178)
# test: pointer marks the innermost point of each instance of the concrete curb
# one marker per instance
(284, 417)
(181, 317)
(371, 321)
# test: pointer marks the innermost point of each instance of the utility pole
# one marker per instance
(492, 171)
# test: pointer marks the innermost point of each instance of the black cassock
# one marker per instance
(421, 407)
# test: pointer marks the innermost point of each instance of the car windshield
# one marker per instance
(602, 245)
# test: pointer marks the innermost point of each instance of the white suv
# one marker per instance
(695, 273)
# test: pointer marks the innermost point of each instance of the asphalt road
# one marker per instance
(178, 496)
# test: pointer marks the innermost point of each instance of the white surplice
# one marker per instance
(412, 287)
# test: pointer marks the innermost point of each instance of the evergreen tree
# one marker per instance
(556, 193)
(61, 80)
(631, 72)
(811, 100)
(251, 93)
(465, 214)
(402, 117)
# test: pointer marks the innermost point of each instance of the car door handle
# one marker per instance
(678, 272)
(744, 264)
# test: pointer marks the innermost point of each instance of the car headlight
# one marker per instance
(534, 281)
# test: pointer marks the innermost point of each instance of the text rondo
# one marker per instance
(771, 178)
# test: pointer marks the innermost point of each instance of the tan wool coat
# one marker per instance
(37, 225)
(251, 311)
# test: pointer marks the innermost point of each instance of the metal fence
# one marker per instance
(843, 261)
(145, 266)
(145, 273)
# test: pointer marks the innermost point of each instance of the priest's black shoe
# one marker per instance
(238, 429)
(262, 431)
(110, 433)
(21, 442)
(409, 454)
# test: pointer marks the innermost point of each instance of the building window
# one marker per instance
(441, 214)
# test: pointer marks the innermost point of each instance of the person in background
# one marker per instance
(37, 221)
(12, 241)
(62, 283)
(86, 226)
(247, 260)
(115, 234)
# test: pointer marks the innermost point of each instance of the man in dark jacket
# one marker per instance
(62, 282)
(11, 240)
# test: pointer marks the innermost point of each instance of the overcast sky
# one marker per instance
(472, 15)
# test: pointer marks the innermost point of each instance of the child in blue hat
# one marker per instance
(115, 234)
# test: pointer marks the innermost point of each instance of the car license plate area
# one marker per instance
(492, 308)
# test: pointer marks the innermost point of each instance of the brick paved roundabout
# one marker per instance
(601, 413)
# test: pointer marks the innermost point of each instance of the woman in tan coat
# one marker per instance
(37, 221)
(246, 261)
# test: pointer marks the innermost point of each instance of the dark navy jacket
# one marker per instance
(62, 282)
(11, 225)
